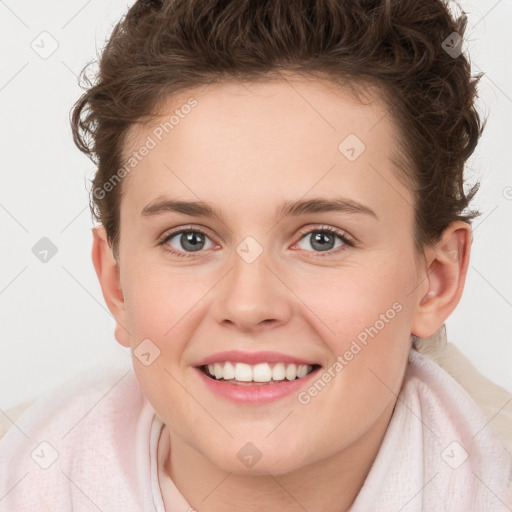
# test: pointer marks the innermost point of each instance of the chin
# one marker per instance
(250, 460)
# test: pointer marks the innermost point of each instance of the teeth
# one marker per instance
(243, 373)
(278, 372)
(262, 372)
(302, 371)
(228, 371)
(291, 372)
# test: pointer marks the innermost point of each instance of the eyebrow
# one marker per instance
(288, 208)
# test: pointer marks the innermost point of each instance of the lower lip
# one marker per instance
(255, 394)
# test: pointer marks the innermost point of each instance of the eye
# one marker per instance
(186, 241)
(324, 240)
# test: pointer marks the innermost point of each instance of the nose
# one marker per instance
(252, 297)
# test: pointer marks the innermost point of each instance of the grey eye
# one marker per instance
(188, 241)
(321, 240)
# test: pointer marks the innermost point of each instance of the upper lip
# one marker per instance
(252, 358)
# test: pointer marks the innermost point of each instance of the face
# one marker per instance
(307, 258)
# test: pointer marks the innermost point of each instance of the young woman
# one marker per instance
(281, 216)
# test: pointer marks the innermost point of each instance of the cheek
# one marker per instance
(363, 378)
(365, 317)
(157, 301)
(347, 302)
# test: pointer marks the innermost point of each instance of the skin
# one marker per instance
(244, 149)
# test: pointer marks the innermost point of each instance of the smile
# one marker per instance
(253, 378)
(261, 373)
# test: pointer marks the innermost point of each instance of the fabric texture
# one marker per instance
(93, 444)
(439, 452)
(494, 401)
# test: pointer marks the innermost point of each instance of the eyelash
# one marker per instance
(168, 237)
(321, 254)
(331, 231)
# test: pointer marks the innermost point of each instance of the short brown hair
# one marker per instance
(160, 48)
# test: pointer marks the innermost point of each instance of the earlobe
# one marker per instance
(447, 265)
(107, 270)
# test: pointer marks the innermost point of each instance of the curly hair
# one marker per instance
(162, 47)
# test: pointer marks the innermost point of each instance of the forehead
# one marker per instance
(323, 106)
(231, 141)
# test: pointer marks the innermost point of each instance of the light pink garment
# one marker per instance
(439, 453)
(106, 435)
(99, 428)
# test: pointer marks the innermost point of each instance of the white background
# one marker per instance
(53, 319)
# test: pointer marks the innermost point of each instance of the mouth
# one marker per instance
(261, 374)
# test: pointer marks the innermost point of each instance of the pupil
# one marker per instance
(321, 238)
(189, 241)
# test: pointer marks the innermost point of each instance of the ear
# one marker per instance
(446, 268)
(107, 270)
